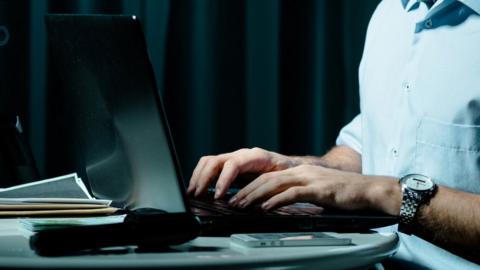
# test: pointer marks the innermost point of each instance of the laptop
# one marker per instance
(108, 121)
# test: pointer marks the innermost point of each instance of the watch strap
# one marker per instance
(411, 203)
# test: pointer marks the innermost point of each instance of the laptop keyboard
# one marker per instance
(210, 206)
(215, 206)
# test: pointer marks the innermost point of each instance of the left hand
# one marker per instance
(321, 186)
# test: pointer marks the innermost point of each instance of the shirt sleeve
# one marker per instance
(351, 135)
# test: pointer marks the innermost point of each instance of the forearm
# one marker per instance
(452, 221)
(340, 157)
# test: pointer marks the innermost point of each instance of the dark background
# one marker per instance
(277, 74)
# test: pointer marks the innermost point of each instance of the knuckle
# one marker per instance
(205, 159)
(302, 170)
(253, 195)
(231, 167)
(259, 179)
(212, 161)
(234, 162)
(295, 192)
(263, 178)
(283, 183)
(241, 153)
(242, 150)
(240, 195)
(302, 167)
(257, 151)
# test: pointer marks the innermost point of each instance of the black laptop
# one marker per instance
(112, 129)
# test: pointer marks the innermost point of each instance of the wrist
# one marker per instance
(384, 194)
(310, 160)
(340, 158)
(296, 161)
(283, 162)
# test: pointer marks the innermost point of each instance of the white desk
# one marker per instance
(203, 252)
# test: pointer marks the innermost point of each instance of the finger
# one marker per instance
(239, 199)
(265, 186)
(208, 173)
(194, 179)
(239, 162)
(289, 196)
(230, 171)
(277, 184)
(243, 160)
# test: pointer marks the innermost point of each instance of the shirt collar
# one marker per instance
(473, 4)
(407, 4)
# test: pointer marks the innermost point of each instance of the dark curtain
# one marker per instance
(277, 74)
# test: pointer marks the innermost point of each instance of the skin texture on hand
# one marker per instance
(226, 167)
(321, 186)
(340, 157)
(284, 180)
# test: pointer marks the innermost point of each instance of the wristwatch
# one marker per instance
(417, 190)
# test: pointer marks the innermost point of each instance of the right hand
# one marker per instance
(226, 167)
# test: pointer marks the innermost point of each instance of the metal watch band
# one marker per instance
(410, 204)
(412, 199)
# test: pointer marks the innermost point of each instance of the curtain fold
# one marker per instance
(277, 74)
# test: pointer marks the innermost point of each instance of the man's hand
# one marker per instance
(226, 167)
(324, 187)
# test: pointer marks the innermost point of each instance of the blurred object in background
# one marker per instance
(16, 162)
(17, 165)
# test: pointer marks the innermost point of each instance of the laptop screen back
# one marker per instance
(106, 108)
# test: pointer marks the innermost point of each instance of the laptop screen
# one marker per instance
(107, 111)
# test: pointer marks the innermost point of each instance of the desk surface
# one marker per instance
(203, 252)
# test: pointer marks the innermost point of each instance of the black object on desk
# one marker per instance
(109, 126)
(144, 227)
(17, 165)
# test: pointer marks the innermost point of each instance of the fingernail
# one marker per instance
(265, 205)
(232, 200)
(242, 203)
(217, 193)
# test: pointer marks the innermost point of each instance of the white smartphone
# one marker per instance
(289, 239)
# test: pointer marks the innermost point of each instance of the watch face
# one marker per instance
(419, 182)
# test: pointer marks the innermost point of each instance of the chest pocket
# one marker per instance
(449, 153)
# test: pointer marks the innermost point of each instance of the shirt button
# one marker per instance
(407, 87)
(394, 152)
(428, 23)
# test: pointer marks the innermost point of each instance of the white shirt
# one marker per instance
(420, 103)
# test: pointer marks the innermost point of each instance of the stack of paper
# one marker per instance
(64, 195)
(41, 224)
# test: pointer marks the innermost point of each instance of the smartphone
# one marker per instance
(289, 239)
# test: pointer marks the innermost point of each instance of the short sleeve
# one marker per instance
(351, 135)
